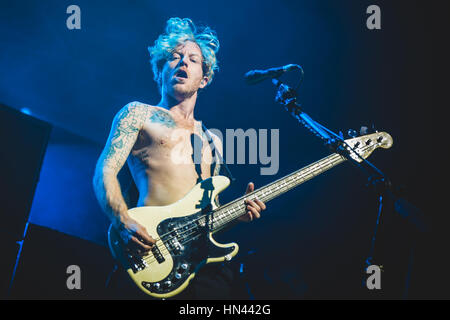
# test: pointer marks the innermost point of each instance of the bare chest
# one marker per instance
(173, 143)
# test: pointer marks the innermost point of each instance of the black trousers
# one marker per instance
(215, 281)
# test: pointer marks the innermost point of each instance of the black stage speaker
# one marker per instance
(24, 141)
(46, 269)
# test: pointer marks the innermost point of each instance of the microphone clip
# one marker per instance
(287, 97)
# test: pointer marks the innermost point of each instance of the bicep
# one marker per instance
(123, 135)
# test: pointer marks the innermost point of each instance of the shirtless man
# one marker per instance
(156, 140)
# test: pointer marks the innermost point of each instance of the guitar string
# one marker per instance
(163, 249)
(226, 219)
(278, 190)
(194, 230)
(167, 250)
(292, 176)
(337, 158)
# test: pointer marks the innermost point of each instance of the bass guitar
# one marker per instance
(184, 230)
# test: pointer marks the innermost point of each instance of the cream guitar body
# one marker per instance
(178, 254)
(183, 230)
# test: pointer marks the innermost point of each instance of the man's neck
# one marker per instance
(184, 108)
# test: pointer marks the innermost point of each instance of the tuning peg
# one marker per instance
(352, 133)
(373, 128)
(363, 131)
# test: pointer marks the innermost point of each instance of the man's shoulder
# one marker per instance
(137, 106)
(135, 109)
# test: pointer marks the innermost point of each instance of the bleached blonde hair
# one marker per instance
(177, 32)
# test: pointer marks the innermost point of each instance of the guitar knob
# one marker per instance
(156, 285)
(177, 275)
(168, 283)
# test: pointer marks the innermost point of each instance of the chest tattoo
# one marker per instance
(162, 117)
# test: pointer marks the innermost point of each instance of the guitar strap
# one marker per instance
(217, 156)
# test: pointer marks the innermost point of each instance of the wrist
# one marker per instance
(120, 219)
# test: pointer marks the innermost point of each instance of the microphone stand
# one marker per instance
(382, 185)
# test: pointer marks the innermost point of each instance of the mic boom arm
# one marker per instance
(382, 184)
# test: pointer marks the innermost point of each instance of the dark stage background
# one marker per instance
(312, 242)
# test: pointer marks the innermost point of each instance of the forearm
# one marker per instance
(109, 195)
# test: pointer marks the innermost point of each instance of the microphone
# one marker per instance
(255, 76)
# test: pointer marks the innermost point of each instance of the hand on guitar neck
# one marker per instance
(253, 207)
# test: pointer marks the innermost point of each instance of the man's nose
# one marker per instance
(182, 61)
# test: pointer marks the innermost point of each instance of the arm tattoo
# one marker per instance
(126, 125)
(163, 117)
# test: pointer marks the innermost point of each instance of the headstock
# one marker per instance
(364, 145)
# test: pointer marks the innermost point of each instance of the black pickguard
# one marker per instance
(187, 239)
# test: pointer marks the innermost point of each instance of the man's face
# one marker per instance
(182, 74)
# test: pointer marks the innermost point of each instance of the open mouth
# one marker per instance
(181, 74)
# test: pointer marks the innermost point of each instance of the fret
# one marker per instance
(233, 210)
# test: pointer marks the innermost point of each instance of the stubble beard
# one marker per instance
(183, 92)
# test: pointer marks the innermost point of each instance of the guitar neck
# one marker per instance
(228, 213)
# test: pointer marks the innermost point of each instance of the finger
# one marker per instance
(255, 213)
(251, 203)
(145, 237)
(260, 204)
(250, 187)
(140, 244)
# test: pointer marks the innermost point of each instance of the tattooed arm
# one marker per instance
(124, 132)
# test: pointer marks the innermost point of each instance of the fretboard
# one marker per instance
(228, 213)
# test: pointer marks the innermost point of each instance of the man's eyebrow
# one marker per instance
(190, 54)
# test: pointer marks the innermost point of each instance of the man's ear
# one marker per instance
(204, 82)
